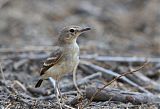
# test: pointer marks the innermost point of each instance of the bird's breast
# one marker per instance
(69, 61)
(72, 58)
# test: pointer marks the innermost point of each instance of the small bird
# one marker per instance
(65, 58)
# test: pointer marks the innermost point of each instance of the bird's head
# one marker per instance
(69, 34)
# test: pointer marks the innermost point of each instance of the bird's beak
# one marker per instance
(85, 29)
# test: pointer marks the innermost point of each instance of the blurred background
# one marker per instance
(120, 27)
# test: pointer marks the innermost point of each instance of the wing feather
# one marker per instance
(51, 60)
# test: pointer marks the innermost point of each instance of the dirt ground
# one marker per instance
(31, 27)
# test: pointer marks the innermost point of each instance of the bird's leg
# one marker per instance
(52, 81)
(59, 97)
(58, 94)
(74, 79)
(57, 91)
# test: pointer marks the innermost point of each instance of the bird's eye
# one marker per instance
(71, 30)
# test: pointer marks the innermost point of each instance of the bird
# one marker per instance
(65, 58)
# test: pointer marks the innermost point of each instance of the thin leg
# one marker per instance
(52, 81)
(59, 99)
(74, 80)
(57, 91)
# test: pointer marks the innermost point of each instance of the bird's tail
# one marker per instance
(39, 83)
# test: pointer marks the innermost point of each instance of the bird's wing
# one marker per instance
(51, 60)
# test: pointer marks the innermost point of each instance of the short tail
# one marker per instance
(39, 83)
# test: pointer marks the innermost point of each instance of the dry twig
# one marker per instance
(26, 49)
(121, 96)
(106, 72)
(116, 78)
(49, 48)
(144, 81)
(82, 81)
(2, 73)
(120, 59)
